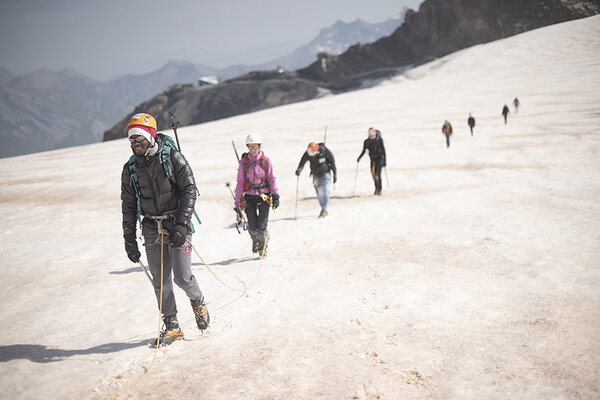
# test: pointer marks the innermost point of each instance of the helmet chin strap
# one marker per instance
(152, 150)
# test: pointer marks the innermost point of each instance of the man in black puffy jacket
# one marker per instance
(166, 202)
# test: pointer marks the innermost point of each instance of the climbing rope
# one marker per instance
(162, 233)
(259, 267)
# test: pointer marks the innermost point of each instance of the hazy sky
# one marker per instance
(108, 38)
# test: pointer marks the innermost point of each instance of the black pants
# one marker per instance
(447, 140)
(376, 166)
(257, 212)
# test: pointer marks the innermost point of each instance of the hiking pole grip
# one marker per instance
(174, 126)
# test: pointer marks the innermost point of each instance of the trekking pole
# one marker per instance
(296, 209)
(325, 137)
(236, 153)
(241, 220)
(355, 176)
(145, 270)
(386, 176)
(174, 126)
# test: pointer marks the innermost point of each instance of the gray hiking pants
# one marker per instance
(179, 261)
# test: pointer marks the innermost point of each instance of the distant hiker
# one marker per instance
(471, 122)
(321, 163)
(165, 202)
(447, 130)
(256, 191)
(505, 112)
(516, 103)
(374, 143)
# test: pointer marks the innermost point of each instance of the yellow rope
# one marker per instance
(162, 233)
(259, 267)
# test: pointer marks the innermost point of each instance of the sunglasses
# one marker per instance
(254, 146)
(137, 139)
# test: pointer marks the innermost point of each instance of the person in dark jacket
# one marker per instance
(374, 143)
(167, 206)
(505, 112)
(322, 164)
(256, 190)
(516, 104)
(447, 130)
(471, 122)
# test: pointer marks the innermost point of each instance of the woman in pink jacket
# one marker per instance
(256, 191)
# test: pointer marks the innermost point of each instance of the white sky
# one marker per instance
(106, 39)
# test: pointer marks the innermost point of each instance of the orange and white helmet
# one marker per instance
(312, 149)
(143, 119)
(372, 133)
(142, 124)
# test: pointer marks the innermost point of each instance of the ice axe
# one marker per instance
(241, 220)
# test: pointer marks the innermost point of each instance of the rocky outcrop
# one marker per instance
(193, 105)
(440, 28)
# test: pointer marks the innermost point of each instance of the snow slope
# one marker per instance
(475, 275)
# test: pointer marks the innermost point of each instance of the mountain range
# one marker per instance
(437, 29)
(46, 110)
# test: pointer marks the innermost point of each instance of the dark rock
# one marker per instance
(251, 92)
(442, 27)
(439, 28)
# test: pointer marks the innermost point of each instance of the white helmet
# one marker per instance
(254, 138)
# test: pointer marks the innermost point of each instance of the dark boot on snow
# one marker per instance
(171, 331)
(201, 313)
(255, 246)
(262, 250)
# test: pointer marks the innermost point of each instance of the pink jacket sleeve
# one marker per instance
(240, 184)
(271, 176)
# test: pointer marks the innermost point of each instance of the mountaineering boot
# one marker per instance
(255, 246)
(201, 313)
(262, 250)
(323, 214)
(171, 331)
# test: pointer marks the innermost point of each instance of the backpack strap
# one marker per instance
(165, 159)
(133, 179)
(246, 163)
(167, 163)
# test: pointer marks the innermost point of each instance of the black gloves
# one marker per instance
(358, 159)
(334, 178)
(298, 172)
(275, 200)
(131, 247)
(383, 163)
(178, 235)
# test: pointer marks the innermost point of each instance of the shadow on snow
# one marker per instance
(42, 354)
